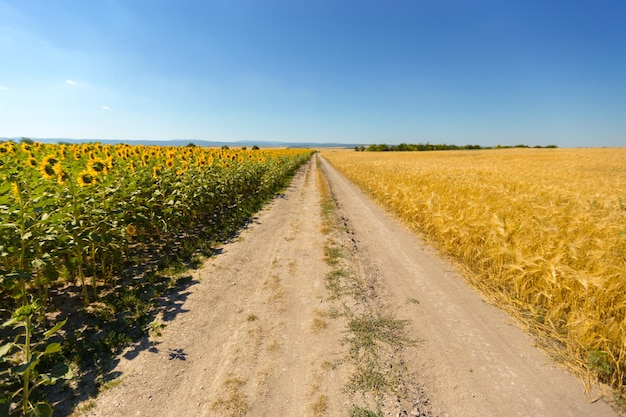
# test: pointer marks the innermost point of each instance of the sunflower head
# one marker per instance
(31, 162)
(85, 179)
(169, 163)
(47, 168)
(51, 160)
(97, 166)
(26, 147)
(131, 230)
(156, 171)
(7, 148)
(62, 176)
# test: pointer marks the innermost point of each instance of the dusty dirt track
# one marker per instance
(259, 335)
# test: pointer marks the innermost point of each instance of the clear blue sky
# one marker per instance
(354, 71)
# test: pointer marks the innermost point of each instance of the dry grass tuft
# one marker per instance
(320, 406)
(233, 403)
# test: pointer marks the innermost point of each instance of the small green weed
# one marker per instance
(364, 412)
(332, 254)
(599, 362)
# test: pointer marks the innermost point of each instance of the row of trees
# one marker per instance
(432, 147)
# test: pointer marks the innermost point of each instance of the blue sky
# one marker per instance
(440, 71)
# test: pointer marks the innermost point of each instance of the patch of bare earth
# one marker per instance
(253, 340)
(327, 307)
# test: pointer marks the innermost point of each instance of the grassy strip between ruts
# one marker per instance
(373, 336)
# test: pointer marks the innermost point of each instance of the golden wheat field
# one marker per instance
(540, 231)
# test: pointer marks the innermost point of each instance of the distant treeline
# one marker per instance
(433, 147)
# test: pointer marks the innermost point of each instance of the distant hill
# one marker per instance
(198, 142)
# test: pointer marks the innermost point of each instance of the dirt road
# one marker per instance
(275, 327)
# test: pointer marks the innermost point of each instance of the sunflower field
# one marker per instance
(77, 212)
(85, 227)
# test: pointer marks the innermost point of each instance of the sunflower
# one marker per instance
(131, 165)
(62, 176)
(47, 167)
(62, 152)
(131, 230)
(31, 162)
(26, 147)
(15, 189)
(7, 148)
(85, 179)
(50, 160)
(97, 166)
(156, 171)
(169, 163)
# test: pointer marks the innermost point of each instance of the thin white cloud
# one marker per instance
(2, 88)
(70, 82)
(105, 108)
